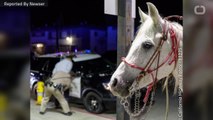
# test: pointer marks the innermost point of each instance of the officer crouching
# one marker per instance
(60, 82)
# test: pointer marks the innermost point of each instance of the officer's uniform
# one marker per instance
(56, 86)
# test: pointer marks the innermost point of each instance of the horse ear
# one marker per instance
(153, 12)
(143, 16)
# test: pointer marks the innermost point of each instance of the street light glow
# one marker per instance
(69, 40)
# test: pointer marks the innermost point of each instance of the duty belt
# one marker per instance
(59, 87)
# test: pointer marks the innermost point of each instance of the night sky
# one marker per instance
(91, 12)
(70, 12)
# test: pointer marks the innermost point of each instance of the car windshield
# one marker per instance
(44, 64)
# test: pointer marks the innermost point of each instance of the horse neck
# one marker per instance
(166, 69)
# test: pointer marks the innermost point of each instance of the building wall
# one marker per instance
(98, 40)
(43, 37)
(111, 38)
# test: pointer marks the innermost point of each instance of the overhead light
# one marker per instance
(39, 45)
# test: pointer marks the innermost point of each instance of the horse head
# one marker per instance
(142, 49)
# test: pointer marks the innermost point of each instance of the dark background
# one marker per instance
(91, 12)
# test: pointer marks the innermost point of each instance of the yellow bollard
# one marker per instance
(40, 92)
(3, 106)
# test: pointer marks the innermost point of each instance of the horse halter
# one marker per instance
(173, 56)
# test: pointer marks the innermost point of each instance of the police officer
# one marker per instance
(60, 82)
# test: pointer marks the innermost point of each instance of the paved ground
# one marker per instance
(78, 114)
(157, 111)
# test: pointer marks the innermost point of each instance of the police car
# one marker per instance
(90, 70)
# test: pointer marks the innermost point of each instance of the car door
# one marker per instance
(76, 86)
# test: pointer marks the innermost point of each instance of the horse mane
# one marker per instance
(178, 30)
(179, 34)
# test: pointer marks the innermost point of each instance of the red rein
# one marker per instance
(156, 54)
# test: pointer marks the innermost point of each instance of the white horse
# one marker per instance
(151, 32)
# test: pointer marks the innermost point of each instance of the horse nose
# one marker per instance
(114, 82)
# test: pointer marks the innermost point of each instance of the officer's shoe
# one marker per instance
(68, 114)
(41, 113)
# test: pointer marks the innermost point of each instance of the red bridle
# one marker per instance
(173, 56)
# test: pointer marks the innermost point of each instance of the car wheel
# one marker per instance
(93, 103)
(34, 92)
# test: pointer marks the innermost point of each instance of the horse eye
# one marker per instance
(147, 45)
